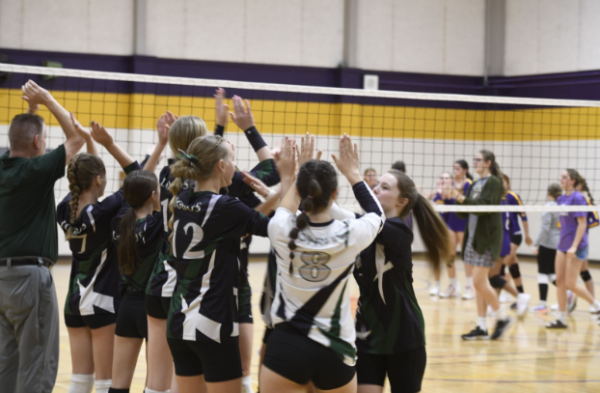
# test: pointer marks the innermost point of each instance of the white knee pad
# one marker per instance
(81, 383)
(103, 385)
(542, 278)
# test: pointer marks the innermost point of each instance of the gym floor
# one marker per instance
(528, 358)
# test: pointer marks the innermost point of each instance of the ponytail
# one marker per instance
(433, 231)
(465, 166)
(494, 167)
(81, 172)
(317, 181)
(137, 189)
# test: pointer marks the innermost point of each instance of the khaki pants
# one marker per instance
(28, 329)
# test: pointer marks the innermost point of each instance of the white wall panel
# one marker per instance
(464, 37)
(111, 27)
(11, 28)
(558, 36)
(165, 28)
(322, 33)
(589, 35)
(419, 41)
(374, 41)
(521, 54)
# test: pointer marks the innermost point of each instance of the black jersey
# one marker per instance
(205, 251)
(268, 293)
(94, 281)
(388, 319)
(163, 278)
(149, 241)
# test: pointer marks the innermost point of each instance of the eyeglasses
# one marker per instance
(477, 159)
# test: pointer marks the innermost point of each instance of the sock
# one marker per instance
(482, 323)
(520, 289)
(256, 141)
(81, 383)
(596, 304)
(437, 284)
(562, 316)
(453, 282)
(102, 385)
(156, 391)
(113, 390)
(470, 282)
(247, 381)
(500, 314)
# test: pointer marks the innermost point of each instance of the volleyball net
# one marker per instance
(533, 140)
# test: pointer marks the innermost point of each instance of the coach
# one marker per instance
(29, 246)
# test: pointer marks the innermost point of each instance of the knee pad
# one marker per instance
(585, 275)
(81, 383)
(553, 279)
(450, 262)
(542, 278)
(497, 282)
(514, 271)
(503, 270)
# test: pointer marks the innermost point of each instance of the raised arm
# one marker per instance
(242, 117)
(102, 136)
(286, 164)
(162, 127)
(221, 112)
(36, 95)
(86, 136)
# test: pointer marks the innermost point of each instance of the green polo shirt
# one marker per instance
(27, 207)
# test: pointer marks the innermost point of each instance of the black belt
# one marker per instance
(26, 261)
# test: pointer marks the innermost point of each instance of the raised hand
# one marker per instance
(221, 110)
(35, 95)
(82, 132)
(241, 116)
(307, 149)
(348, 161)
(163, 125)
(256, 184)
(286, 158)
(101, 136)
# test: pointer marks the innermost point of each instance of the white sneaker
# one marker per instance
(594, 310)
(451, 291)
(554, 307)
(522, 303)
(504, 297)
(435, 291)
(469, 293)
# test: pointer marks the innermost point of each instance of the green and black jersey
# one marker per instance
(149, 241)
(388, 319)
(205, 254)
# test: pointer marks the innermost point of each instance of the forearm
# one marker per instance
(290, 198)
(219, 130)
(269, 204)
(525, 228)
(91, 147)
(63, 117)
(154, 157)
(122, 157)
(263, 152)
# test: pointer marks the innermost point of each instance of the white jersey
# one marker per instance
(315, 298)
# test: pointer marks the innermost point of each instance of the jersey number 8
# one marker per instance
(315, 266)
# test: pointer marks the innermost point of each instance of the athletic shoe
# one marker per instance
(594, 310)
(522, 303)
(571, 301)
(504, 297)
(502, 326)
(451, 291)
(469, 293)
(476, 334)
(513, 306)
(558, 324)
(540, 308)
(435, 291)
(554, 307)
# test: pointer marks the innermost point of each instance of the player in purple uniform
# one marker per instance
(572, 248)
(592, 222)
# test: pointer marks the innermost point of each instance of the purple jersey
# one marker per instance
(455, 223)
(568, 221)
(592, 217)
(439, 201)
(512, 198)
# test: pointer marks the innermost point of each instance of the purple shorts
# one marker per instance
(456, 224)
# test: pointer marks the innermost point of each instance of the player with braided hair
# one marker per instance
(93, 296)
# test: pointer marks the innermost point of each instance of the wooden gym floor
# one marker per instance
(528, 358)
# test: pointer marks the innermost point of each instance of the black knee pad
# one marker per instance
(497, 282)
(514, 271)
(585, 275)
(450, 262)
(503, 270)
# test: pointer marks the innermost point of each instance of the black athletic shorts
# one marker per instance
(545, 260)
(94, 321)
(157, 307)
(516, 239)
(131, 319)
(404, 370)
(268, 331)
(218, 362)
(300, 359)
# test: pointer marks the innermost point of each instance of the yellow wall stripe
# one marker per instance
(140, 111)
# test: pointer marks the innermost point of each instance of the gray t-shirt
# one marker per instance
(475, 194)
(550, 230)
